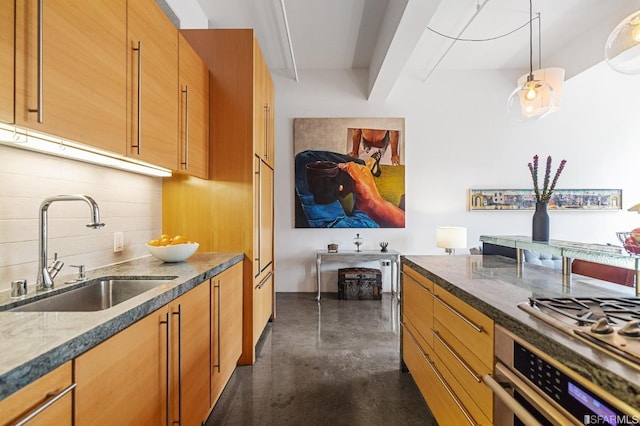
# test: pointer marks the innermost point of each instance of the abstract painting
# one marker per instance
(349, 172)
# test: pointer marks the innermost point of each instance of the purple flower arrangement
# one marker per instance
(546, 189)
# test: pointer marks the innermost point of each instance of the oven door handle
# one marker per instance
(547, 410)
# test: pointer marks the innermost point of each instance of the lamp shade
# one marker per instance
(622, 50)
(554, 77)
(533, 99)
(634, 208)
(451, 237)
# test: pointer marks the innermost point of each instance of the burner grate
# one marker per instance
(588, 310)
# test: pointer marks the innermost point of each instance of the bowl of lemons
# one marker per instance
(172, 249)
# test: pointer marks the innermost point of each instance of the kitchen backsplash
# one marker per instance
(128, 202)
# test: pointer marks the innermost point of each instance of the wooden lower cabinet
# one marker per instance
(153, 370)
(56, 384)
(448, 346)
(226, 327)
(123, 379)
(418, 304)
(189, 356)
(263, 304)
(440, 398)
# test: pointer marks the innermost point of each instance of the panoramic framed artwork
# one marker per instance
(561, 199)
(349, 172)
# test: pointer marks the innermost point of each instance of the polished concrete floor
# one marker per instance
(334, 363)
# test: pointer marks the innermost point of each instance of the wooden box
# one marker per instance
(359, 284)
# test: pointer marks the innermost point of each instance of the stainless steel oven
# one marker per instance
(531, 388)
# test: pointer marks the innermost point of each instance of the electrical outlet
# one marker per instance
(118, 242)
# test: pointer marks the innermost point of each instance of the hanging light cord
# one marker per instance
(481, 39)
(530, 39)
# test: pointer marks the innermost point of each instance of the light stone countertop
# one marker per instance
(34, 343)
(491, 285)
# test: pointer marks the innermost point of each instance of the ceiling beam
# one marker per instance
(402, 28)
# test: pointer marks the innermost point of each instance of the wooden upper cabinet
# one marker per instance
(263, 107)
(81, 92)
(193, 156)
(152, 85)
(7, 22)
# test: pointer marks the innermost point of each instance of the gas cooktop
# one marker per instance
(608, 323)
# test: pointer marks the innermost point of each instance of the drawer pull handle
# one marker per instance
(466, 366)
(51, 399)
(476, 327)
(417, 282)
(442, 380)
(264, 281)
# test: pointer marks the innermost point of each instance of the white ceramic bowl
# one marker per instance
(173, 253)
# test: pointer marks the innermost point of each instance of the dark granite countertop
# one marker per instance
(34, 343)
(491, 285)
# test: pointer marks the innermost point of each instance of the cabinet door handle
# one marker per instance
(441, 379)
(179, 315)
(51, 399)
(508, 400)
(417, 282)
(39, 110)
(139, 111)
(185, 163)
(258, 184)
(267, 111)
(473, 325)
(218, 325)
(466, 366)
(167, 368)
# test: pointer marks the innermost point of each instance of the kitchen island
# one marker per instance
(35, 343)
(492, 286)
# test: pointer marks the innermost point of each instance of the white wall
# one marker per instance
(128, 202)
(458, 136)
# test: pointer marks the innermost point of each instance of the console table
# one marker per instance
(352, 256)
(568, 250)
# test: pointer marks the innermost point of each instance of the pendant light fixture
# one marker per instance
(533, 99)
(622, 50)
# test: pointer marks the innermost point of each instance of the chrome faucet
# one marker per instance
(46, 274)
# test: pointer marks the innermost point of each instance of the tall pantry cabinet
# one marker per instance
(234, 210)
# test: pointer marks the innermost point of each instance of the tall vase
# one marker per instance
(540, 225)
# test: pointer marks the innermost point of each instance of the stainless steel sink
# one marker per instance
(95, 296)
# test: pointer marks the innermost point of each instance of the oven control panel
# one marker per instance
(581, 403)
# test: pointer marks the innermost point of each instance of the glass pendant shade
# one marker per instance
(622, 51)
(531, 100)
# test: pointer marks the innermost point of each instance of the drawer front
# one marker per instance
(465, 379)
(416, 276)
(39, 394)
(445, 407)
(473, 329)
(417, 307)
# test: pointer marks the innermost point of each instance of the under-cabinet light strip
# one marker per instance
(26, 139)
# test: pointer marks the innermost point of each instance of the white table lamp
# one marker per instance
(451, 237)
